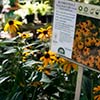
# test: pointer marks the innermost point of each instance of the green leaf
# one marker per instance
(7, 41)
(14, 38)
(61, 89)
(2, 79)
(35, 76)
(32, 44)
(45, 78)
(17, 96)
(41, 45)
(4, 61)
(10, 51)
(32, 62)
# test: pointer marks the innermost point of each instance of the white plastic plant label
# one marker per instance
(76, 32)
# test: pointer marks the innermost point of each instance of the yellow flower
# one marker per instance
(61, 60)
(97, 97)
(48, 58)
(24, 59)
(45, 70)
(80, 45)
(12, 26)
(86, 32)
(68, 66)
(25, 55)
(88, 41)
(88, 22)
(95, 90)
(24, 35)
(97, 43)
(89, 63)
(86, 51)
(45, 33)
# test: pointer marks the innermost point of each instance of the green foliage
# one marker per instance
(20, 80)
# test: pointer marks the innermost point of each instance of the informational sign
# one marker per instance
(76, 32)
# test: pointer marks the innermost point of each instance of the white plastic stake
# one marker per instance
(79, 83)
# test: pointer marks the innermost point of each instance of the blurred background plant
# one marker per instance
(34, 10)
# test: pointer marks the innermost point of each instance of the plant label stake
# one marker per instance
(79, 83)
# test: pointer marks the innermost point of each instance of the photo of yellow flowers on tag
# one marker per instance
(86, 46)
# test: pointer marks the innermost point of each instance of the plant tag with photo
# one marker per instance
(76, 32)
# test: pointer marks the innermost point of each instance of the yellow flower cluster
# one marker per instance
(51, 58)
(96, 90)
(87, 43)
(66, 65)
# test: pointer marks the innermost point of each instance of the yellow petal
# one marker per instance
(19, 33)
(12, 29)
(18, 22)
(6, 27)
(67, 68)
(46, 63)
(47, 71)
(51, 53)
(42, 58)
(53, 57)
(16, 26)
(41, 36)
(49, 27)
(97, 97)
(75, 66)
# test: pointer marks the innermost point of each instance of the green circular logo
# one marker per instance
(61, 50)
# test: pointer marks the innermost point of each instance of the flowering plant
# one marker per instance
(28, 68)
